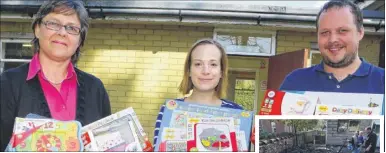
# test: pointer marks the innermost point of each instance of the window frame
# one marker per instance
(2, 52)
(312, 52)
(252, 31)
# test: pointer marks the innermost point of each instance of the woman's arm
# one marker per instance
(7, 110)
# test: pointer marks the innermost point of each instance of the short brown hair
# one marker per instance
(355, 10)
(186, 83)
(66, 7)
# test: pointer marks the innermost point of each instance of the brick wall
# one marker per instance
(288, 41)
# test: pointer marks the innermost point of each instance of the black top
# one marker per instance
(20, 97)
(372, 139)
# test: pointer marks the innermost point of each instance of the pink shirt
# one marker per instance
(62, 104)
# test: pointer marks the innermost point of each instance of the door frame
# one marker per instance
(257, 73)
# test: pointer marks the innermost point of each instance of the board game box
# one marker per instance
(118, 132)
(286, 103)
(45, 135)
(362, 101)
(173, 134)
(321, 103)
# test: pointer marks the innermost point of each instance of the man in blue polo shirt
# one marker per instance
(340, 28)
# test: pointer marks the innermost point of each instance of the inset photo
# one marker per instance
(324, 134)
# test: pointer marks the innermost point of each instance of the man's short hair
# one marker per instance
(355, 10)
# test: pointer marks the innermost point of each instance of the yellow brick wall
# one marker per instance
(288, 41)
(140, 65)
(369, 48)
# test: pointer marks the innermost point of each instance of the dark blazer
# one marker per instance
(20, 97)
(372, 140)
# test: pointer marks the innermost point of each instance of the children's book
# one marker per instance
(285, 103)
(175, 117)
(211, 134)
(118, 132)
(45, 135)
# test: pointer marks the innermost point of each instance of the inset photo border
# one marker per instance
(317, 134)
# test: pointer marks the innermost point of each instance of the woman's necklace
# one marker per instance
(54, 83)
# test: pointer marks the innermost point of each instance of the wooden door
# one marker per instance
(281, 65)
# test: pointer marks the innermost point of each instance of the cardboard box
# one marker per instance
(321, 103)
(45, 135)
(118, 132)
(175, 119)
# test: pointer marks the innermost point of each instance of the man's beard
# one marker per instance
(348, 59)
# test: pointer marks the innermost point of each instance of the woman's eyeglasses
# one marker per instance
(57, 26)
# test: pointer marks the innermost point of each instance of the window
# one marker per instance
(315, 58)
(376, 128)
(342, 125)
(250, 43)
(14, 53)
(348, 125)
(353, 125)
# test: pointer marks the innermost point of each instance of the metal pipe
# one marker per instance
(183, 12)
(136, 11)
(213, 14)
(15, 60)
(246, 15)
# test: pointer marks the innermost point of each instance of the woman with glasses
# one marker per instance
(50, 85)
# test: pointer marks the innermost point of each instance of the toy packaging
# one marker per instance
(211, 134)
(368, 104)
(321, 103)
(45, 135)
(285, 103)
(174, 134)
(118, 132)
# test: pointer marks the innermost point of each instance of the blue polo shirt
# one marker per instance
(367, 79)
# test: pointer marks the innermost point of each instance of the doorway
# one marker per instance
(241, 88)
